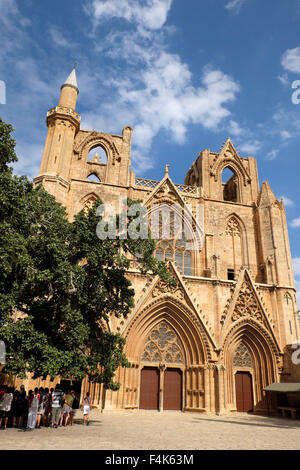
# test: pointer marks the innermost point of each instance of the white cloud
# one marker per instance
(235, 129)
(287, 202)
(9, 11)
(151, 15)
(272, 155)
(165, 99)
(234, 5)
(295, 222)
(156, 90)
(291, 60)
(58, 37)
(29, 159)
(296, 266)
(284, 134)
(283, 79)
(251, 147)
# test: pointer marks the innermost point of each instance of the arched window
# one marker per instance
(97, 155)
(173, 242)
(233, 252)
(230, 185)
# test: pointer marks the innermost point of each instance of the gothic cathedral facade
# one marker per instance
(216, 340)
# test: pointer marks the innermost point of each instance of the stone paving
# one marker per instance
(153, 430)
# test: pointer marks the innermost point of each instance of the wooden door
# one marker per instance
(172, 389)
(149, 391)
(244, 395)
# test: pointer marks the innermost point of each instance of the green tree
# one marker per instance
(59, 283)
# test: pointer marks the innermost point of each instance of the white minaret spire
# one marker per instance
(72, 79)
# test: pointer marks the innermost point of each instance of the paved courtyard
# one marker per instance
(153, 430)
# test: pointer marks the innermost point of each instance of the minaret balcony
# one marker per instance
(64, 113)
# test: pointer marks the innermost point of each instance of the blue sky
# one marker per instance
(185, 74)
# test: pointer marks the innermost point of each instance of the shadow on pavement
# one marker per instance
(264, 423)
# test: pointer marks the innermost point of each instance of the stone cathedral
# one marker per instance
(216, 340)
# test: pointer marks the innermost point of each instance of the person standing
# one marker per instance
(86, 406)
(65, 414)
(74, 407)
(41, 408)
(33, 409)
(57, 404)
(14, 409)
(5, 406)
(22, 408)
(47, 405)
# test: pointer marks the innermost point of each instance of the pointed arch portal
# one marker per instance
(250, 361)
(170, 350)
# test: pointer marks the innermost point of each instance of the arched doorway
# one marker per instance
(167, 335)
(243, 391)
(251, 365)
(161, 384)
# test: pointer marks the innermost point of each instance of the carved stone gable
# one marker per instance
(247, 304)
(162, 287)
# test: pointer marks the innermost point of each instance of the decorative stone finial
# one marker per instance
(167, 170)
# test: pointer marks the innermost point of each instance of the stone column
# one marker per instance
(221, 407)
(162, 368)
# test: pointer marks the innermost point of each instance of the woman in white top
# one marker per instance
(86, 408)
(5, 405)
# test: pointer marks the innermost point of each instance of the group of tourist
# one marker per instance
(40, 407)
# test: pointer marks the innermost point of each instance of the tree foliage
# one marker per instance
(59, 283)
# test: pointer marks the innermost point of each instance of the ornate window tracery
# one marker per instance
(89, 203)
(163, 345)
(233, 228)
(242, 356)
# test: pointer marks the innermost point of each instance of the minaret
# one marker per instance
(63, 124)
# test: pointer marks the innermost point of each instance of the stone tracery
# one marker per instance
(233, 228)
(242, 356)
(247, 305)
(163, 345)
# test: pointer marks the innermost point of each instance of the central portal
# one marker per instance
(161, 376)
(170, 385)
